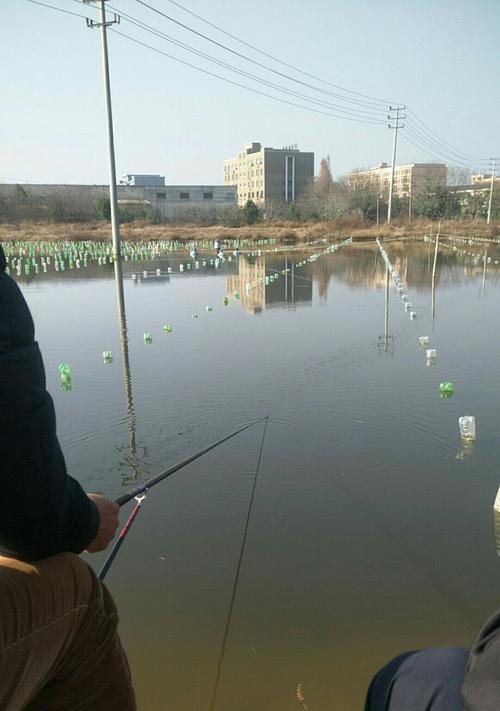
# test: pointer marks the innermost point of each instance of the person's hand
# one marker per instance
(108, 522)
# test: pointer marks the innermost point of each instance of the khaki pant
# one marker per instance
(59, 646)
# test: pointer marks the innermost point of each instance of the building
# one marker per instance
(178, 201)
(142, 180)
(483, 180)
(408, 179)
(266, 175)
(81, 201)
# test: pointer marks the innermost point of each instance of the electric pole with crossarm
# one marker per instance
(396, 119)
(493, 166)
(103, 24)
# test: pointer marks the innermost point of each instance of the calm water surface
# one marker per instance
(371, 529)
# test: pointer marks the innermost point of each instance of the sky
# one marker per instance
(440, 58)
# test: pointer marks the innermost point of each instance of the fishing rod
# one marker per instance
(125, 498)
(139, 493)
(121, 537)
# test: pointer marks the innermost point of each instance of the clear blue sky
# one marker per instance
(440, 57)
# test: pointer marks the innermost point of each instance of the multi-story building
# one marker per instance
(408, 179)
(267, 175)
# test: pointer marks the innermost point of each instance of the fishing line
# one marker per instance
(237, 576)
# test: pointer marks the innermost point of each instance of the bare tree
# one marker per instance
(458, 176)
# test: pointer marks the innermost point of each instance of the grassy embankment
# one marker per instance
(284, 232)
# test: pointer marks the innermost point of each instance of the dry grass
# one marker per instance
(287, 232)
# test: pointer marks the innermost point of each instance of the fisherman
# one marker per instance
(217, 245)
(59, 646)
(442, 678)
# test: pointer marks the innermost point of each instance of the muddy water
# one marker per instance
(371, 526)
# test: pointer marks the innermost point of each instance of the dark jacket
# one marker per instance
(43, 511)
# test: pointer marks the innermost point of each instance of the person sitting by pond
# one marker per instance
(442, 678)
(59, 644)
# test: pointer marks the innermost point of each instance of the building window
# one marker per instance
(184, 196)
(208, 196)
(229, 196)
(161, 196)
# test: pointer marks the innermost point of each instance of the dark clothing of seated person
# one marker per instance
(59, 646)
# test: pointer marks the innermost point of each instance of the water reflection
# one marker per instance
(130, 454)
(266, 282)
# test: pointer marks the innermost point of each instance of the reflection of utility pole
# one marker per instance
(493, 166)
(397, 118)
(103, 24)
(386, 313)
(484, 271)
(377, 213)
(122, 318)
(434, 272)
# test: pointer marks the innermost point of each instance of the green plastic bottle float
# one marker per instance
(148, 338)
(167, 328)
(65, 371)
(446, 388)
(209, 308)
(225, 301)
(107, 357)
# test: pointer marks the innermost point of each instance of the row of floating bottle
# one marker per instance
(466, 423)
(408, 306)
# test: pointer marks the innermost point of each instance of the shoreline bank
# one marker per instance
(283, 232)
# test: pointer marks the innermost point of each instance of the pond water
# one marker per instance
(371, 527)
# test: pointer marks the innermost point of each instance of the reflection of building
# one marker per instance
(408, 179)
(269, 174)
(252, 273)
(266, 282)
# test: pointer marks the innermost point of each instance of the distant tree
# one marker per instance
(458, 176)
(295, 211)
(55, 209)
(324, 182)
(21, 193)
(251, 212)
(441, 202)
(103, 208)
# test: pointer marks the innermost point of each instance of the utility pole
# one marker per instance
(396, 119)
(493, 166)
(103, 24)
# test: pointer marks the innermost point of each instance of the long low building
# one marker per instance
(409, 179)
(163, 201)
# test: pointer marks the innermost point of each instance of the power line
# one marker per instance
(433, 150)
(235, 83)
(424, 137)
(372, 116)
(242, 56)
(373, 99)
(450, 150)
(442, 141)
(53, 7)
